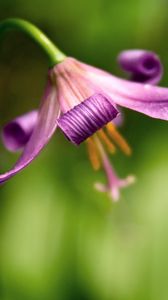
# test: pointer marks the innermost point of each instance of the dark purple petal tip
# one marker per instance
(16, 133)
(86, 118)
(144, 66)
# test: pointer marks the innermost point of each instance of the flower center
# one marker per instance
(85, 119)
(109, 138)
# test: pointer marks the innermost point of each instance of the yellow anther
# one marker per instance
(111, 148)
(93, 154)
(118, 139)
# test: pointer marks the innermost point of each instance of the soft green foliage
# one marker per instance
(60, 239)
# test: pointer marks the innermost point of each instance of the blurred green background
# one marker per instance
(60, 239)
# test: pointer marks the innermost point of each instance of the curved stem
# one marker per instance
(54, 55)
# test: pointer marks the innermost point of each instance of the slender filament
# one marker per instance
(111, 148)
(118, 139)
(93, 154)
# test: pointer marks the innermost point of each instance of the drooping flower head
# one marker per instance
(84, 102)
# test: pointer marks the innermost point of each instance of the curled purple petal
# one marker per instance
(16, 133)
(86, 118)
(44, 129)
(145, 98)
(144, 66)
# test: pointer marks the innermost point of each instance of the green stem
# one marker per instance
(54, 55)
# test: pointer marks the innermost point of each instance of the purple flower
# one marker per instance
(83, 101)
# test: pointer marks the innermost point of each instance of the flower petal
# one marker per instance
(86, 118)
(119, 119)
(145, 98)
(45, 127)
(16, 133)
(144, 66)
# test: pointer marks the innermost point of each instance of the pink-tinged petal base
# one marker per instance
(45, 127)
(145, 98)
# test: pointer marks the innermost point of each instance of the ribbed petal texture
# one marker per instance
(86, 118)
